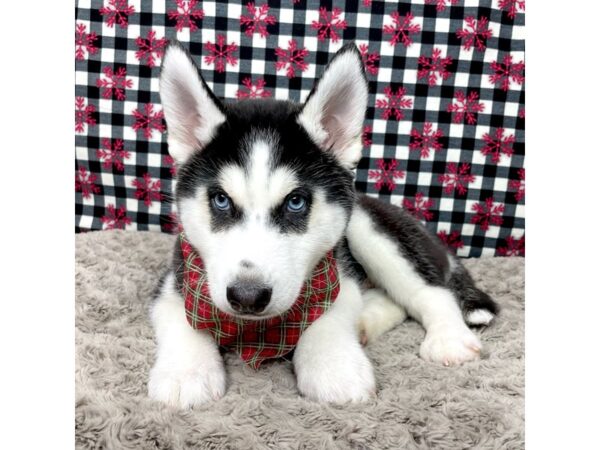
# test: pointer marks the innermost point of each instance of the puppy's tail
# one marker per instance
(477, 307)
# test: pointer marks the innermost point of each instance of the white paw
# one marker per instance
(379, 315)
(344, 377)
(450, 345)
(186, 388)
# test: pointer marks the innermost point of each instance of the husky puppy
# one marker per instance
(264, 190)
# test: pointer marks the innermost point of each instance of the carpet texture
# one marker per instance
(419, 405)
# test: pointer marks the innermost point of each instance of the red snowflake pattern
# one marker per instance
(522, 113)
(253, 90)
(84, 42)
(172, 224)
(112, 154)
(419, 207)
(425, 140)
(147, 189)
(221, 54)
(452, 240)
(257, 20)
(186, 15)
(476, 33)
(511, 6)
(367, 2)
(148, 120)
(85, 183)
(83, 115)
(150, 48)
(169, 161)
(457, 178)
(440, 5)
(117, 11)
(498, 145)
(369, 59)
(506, 72)
(386, 174)
(394, 104)
(518, 185)
(402, 28)
(115, 219)
(367, 135)
(466, 107)
(431, 67)
(328, 23)
(115, 83)
(291, 59)
(513, 247)
(487, 213)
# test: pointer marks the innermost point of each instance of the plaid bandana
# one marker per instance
(256, 340)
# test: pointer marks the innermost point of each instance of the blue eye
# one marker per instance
(296, 203)
(221, 202)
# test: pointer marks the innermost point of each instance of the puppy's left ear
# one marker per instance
(334, 111)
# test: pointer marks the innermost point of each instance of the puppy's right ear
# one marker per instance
(191, 110)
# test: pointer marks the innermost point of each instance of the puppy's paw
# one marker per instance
(188, 387)
(450, 345)
(340, 378)
(379, 315)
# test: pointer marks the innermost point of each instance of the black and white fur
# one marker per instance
(257, 156)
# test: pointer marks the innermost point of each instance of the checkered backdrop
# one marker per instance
(444, 133)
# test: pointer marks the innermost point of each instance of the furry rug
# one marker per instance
(419, 405)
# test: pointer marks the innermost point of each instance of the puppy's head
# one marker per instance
(264, 187)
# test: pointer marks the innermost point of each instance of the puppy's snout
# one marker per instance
(248, 296)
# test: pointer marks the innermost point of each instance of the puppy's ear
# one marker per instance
(334, 111)
(191, 110)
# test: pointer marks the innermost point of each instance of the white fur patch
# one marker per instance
(380, 314)
(479, 317)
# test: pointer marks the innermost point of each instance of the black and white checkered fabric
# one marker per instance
(425, 60)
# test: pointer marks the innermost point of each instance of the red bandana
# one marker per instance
(257, 340)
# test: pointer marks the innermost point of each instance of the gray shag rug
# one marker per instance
(419, 405)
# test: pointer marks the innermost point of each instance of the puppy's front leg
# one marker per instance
(189, 369)
(329, 361)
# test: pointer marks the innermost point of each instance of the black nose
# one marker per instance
(248, 296)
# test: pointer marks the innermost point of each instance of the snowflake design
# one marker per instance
(440, 5)
(257, 20)
(84, 42)
(83, 115)
(367, 135)
(394, 104)
(169, 161)
(518, 185)
(498, 145)
(452, 240)
(147, 189)
(514, 247)
(511, 6)
(172, 224)
(476, 33)
(253, 90)
(522, 113)
(328, 23)
(457, 178)
(386, 174)
(150, 48)
(85, 183)
(466, 107)
(186, 15)
(431, 67)
(117, 11)
(487, 213)
(115, 219)
(369, 59)
(425, 140)
(221, 54)
(291, 59)
(367, 2)
(419, 207)
(112, 153)
(506, 72)
(114, 83)
(148, 120)
(402, 28)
